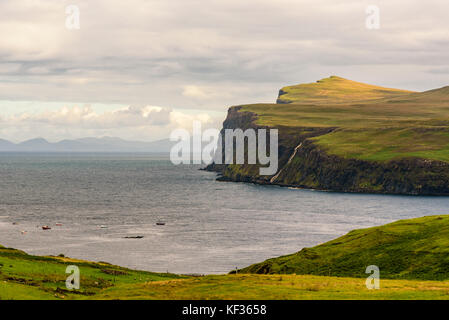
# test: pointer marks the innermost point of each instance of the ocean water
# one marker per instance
(211, 227)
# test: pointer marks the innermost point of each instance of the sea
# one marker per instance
(141, 211)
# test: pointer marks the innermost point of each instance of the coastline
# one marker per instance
(311, 167)
(29, 277)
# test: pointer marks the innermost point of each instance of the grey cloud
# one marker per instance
(148, 51)
(443, 70)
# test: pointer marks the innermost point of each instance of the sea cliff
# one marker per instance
(304, 162)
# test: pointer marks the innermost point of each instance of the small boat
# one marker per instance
(133, 237)
(103, 227)
(160, 223)
(59, 224)
(46, 228)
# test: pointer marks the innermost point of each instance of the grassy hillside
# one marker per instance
(25, 276)
(336, 90)
(371, 123)
(406, 249)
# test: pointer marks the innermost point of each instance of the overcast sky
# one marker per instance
(138, 69)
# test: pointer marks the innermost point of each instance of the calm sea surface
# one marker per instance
(211, 227)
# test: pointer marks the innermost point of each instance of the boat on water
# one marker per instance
(160, 223)
(46, 228)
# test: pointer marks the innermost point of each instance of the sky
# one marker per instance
(138, 69)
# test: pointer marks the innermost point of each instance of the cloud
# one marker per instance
(9, 68)
(85, 117)
(195, 92)
(206, 92)
(182, 120)
(444, 71)
(209, 55)
(158, 50)
(134, 122)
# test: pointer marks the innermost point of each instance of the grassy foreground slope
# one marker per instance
(406, 249)
(24, 276)
(30, 277)
(369, 122)
(413, 257)
(277, 287)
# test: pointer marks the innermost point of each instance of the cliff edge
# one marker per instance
(341, 135)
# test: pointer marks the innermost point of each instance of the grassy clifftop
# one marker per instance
(406, 249)
(371, 123)
(336, 90)
(347, 136)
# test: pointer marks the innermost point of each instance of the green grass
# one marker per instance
(24, 276)
(371, 123)
(413, 257)
(42, 278)
(406, 249)
(277, 287)
(386, 144)
(336, 90)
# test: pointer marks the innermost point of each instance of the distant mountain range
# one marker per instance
(105, 144)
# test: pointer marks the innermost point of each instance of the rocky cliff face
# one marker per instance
(303, 164)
